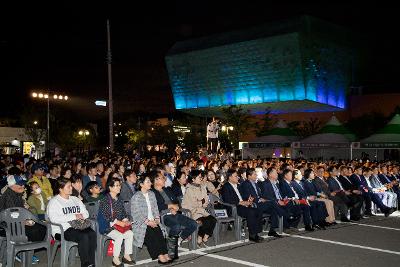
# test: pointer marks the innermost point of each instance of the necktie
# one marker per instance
(276, 190)
(294, 192)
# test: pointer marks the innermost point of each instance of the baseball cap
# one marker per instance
(15, 180)
(36, 166)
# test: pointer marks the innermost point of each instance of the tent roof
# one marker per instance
(281, 133)
(389, 133)
(331, 138)
(335, 126)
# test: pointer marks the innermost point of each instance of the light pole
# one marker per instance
(46, 96)
(84, 133)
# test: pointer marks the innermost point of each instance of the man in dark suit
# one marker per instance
(250, 188)
(317, 209)
(288, 192)
(321, 185)
(367, 189)
(270, 191)
(391, 182)
(128, 187)
(337, 189)
(245, 207)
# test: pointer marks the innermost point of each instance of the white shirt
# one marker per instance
(296, 196)
(42, 206)
(236, 191)
(149, 212)
(183, 188)
(61, 211)
(340, 185)
(212, 130)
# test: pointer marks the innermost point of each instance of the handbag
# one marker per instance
(121, 229)
(80, 224)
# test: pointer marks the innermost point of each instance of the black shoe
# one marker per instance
(117, 265)
(333, 223)
(369, 214)
(274, 234)
(322, 226)
(256, 239)
(316, 226)
(132, 262)
(389, 211)
(355, 218)
(309, 228)
(164, 262)
(345, 220)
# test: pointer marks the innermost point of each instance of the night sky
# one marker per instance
(64, 48)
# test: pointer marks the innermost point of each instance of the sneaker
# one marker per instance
(35, 259)
(18, 258)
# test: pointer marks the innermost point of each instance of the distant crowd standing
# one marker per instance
(169, 198)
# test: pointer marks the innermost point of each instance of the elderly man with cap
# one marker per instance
(44, 183)
(13, 197)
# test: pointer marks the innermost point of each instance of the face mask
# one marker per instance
(38, 190)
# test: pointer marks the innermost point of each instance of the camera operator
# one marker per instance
(212, 136)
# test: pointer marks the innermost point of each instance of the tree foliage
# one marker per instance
(239, 119)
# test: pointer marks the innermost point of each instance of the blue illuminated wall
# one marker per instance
(286, 67)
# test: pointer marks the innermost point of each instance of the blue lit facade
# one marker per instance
(294, 66)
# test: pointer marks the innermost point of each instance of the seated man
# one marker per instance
(297, 206)
(270, 191)
(245, 208)
(93, 192)
(180, 226)
(389, 198)
(13, 197)
(250, 188)
(317, 209)
(348, 193)
(367, 189)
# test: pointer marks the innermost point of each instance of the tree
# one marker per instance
(239, 119)
(34, 123)
(306, 128)
(268, 122)
(367, 124)
(135, 137)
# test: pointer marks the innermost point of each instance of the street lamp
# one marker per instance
(83, 132)
(46, 96)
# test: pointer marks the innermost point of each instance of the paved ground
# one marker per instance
(371, 242)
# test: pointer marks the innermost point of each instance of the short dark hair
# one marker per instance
(89, 186)
(111, 182)
(285, 171)
(76, 178)
(61, 182)
(230, 172)
(331, 168)
(193, 174)
(307, 173)
(141, 180)
(269, 170)
(250, 171)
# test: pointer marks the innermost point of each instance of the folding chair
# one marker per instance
(14, 224)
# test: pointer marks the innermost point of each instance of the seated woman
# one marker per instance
(65, 208)
(113, 212)
(146, 222)
(37, 201)
(179, 184)
(76, 183)
(212, 184)
(196, 200)
(179, 225)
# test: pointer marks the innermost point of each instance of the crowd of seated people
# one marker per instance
(317, 193)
